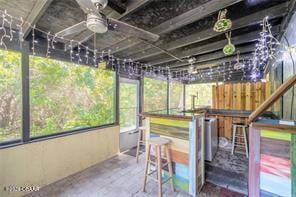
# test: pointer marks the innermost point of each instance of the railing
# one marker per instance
(273, 98)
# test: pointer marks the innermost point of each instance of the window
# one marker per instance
(10, 96)
(176, 95)
(155, 94)
(128, 106)
(65, 96)
(204, 92)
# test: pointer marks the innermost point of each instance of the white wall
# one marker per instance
(44, 162)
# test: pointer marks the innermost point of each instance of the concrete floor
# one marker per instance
(119, 176)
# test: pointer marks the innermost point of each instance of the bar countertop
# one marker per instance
(187, 114)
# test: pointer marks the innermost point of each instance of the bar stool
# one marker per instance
(242, 137)
(141, 141)
(158, 143)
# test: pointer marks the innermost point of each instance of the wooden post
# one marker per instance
(254, 162)
(249, 96)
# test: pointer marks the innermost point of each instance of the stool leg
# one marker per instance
(159, 166)
(246, 142)
(170, 167)
(138, 145)
(148, 147)
(233, 138)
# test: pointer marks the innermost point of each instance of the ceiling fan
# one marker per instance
(97, 22)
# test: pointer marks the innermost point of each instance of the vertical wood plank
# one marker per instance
(267, 91)
(254, 162)
(215, 93)
(228, 96)
(249, 96)
(221, 97)
(221, 126)
(235, 96)
(227, 127)
(243, 96)
(262, 86)
(239, 96)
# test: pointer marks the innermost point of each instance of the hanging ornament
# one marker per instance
(223, 24)
(238, 65)
(229, 48)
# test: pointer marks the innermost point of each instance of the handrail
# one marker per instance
(273, 98)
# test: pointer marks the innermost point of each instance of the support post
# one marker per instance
(25, 92)
(254, 162)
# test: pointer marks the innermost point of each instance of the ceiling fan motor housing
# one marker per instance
(97, 23)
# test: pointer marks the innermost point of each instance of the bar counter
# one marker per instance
(225, 120)
(185, 129)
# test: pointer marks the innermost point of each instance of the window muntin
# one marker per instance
(65, 96)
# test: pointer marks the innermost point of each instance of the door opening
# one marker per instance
(128, 113)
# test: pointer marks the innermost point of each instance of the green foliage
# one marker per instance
(65, 96)
(176, 95)
(10, 95)
(204, 94)
(128, 105)
(155, 94)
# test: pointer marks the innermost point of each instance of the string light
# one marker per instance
(33, 40)
(79, 60)
(265, 50)
(86, 55)
(21, 33)
(2, 43)
(71, 50)
(48, 45)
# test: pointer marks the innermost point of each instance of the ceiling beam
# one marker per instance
(117, 6)
(215, 62)
(237, 40)
(246, 38)
(38, 10)
(181, 20)
(219, 54)
(252, 19)
(131, 7)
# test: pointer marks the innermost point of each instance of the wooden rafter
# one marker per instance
(215, 62)
(214, 55)
(179, 21)
(273, 12)
(38, 10)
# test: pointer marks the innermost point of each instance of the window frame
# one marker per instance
(25, 88)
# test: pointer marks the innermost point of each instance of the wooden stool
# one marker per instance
(158, 143)
(141, 141)
(243, 143)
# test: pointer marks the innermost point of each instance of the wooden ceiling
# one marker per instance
(185, 28)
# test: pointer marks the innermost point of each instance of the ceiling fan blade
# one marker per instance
(87, 6)
(77, 28)
(120, 26)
